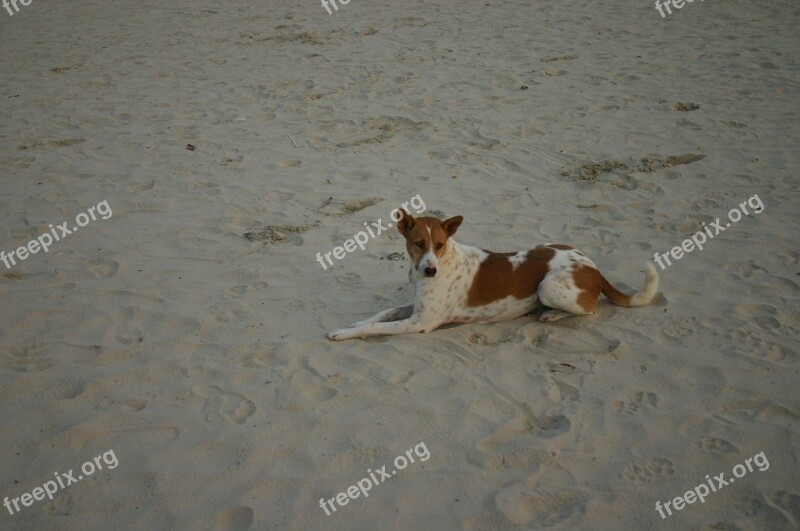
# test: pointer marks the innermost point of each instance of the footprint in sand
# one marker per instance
(221, 405)
(789, 257)
(350, 280)
(237, 292)
(132, 324)
(562, 392)
(520, 459)
(26, 358)
(540, 508)
(19, 163)
(559, 58)
(443, 154)
(102, 267)
(307, 397)
(154, 437)
(143, 187)
(788, 503)
(362, 453)
(782, 416)
(554, 72)
(61, 505)
(249, 355)
(244, 276)
(47, 144)
(707, 443)
(545, 427)
(135, 336)
(749, 505)
(752, 345)
(357, 205)
(479, 339)
(635, 400)
(489, 409)
(382, 129)
(224, 161)
(762, 315)
(125, 404)
(650, 471)
(66, 390)
(236, 518)
(679, 329)
(743, 269)
(209, 188)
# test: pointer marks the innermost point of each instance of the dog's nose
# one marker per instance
(430, 271)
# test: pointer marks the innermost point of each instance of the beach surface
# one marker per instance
(206, 152)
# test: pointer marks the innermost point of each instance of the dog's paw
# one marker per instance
(336, 335)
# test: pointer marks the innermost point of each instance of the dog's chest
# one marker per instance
(447, 296)
(445, 293)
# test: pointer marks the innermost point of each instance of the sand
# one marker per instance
(235, 140)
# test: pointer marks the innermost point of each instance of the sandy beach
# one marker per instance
(169, 172)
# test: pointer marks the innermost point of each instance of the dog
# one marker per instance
(458, 283)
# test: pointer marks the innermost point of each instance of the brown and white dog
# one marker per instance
(458, 283)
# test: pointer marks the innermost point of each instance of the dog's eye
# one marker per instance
(420, 244)
(439, 246)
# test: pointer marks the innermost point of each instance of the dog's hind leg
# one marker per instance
(563, 298)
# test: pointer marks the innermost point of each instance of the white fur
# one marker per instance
(518, 259)
(557, 289)
(443, 298)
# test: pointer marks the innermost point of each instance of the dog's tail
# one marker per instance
(640, 298)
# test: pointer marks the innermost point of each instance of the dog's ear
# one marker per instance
(451, 225)
(406, 223)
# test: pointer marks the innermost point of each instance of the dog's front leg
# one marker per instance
(406, 326)
(392, 314)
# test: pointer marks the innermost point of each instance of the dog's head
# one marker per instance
(427, 239)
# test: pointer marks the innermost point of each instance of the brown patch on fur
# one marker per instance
(590, 282)
(496, 277)
(405, 223)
